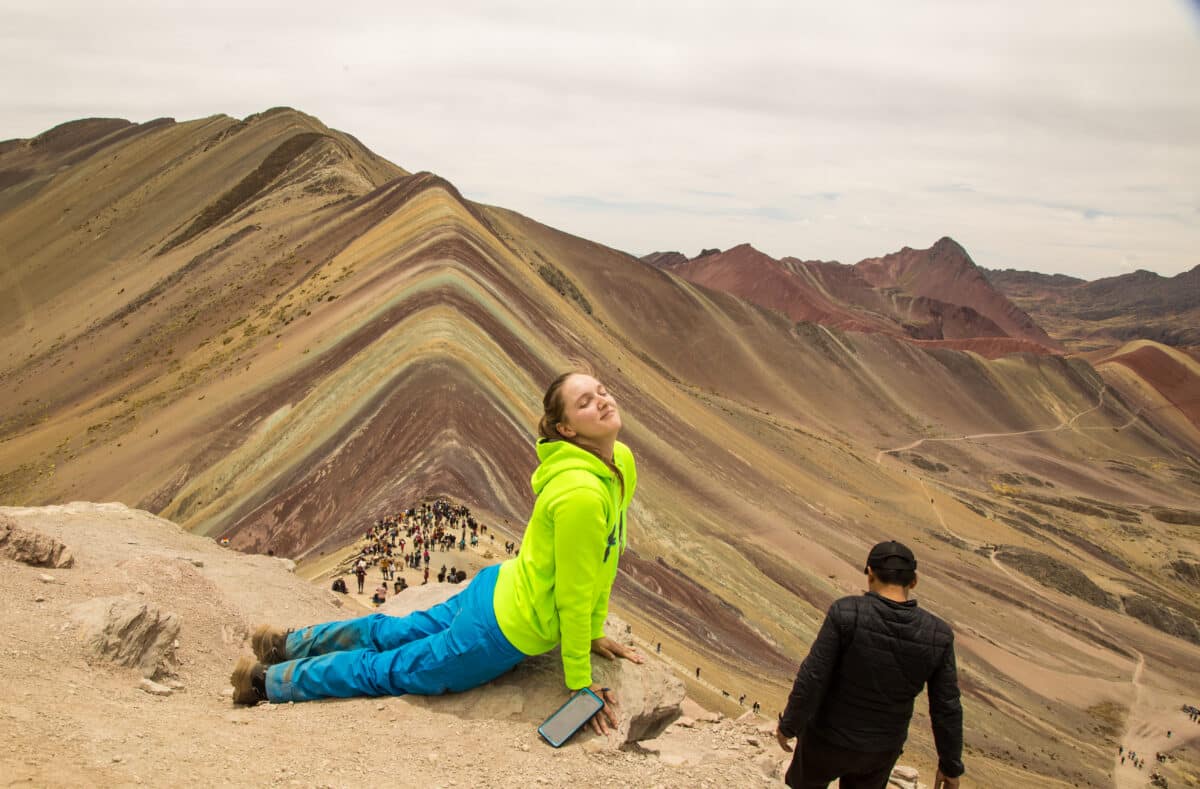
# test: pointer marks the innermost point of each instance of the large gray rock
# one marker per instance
(32, 547)
(648, 695)
(129, 632)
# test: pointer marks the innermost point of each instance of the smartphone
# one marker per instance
(570, 717)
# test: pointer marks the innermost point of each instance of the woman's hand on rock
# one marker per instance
(612, 649)
(606, 718)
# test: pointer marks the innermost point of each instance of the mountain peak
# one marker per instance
(665, 259)
(741, 250)
(281, 110)
(946, 247)
(947, 273)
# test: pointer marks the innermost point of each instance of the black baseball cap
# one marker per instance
(891, 555)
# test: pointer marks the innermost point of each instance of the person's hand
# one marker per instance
(611, 649)
(782, 739)
(941, 781)
(607, 717)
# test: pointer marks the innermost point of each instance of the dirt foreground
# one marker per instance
(71, 718)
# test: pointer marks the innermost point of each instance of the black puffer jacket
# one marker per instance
(856, 688)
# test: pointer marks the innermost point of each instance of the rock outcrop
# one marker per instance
(1186, 571)
(32, 547)
(129, 632)
(649, 695)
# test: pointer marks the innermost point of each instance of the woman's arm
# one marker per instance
(579, 516)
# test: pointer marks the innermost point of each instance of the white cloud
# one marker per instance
(1012, 126)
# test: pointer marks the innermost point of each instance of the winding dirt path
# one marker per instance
(1123, 775)
(1137, 720)
(1118, 772)
(1145, 733)
(1063, 425)
(938, 512)
(1145, 727)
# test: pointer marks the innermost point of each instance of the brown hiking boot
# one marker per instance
(269, 644)
(249, 680)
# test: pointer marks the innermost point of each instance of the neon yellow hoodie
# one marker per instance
(556, 590)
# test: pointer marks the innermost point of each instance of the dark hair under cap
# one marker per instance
(891, 555)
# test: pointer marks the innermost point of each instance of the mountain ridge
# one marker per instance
(331, 349)
(934, 294)
(1110, 310)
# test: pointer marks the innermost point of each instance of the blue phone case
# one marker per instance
(557, 738)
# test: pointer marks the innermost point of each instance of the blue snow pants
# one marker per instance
(454, 646)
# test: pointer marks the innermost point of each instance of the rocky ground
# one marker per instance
(117, 654)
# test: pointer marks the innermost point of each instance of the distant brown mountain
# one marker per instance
(665, 259)
(945, 272)
(935, 294)
(1109, 311)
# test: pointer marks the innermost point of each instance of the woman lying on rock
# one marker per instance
(554, 592)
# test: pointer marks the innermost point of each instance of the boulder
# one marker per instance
(648, 695)
(154, 688)
(696, 712)
(32, 547)
(904, 778)
(129, 632)
(677, 749)
(680, 747)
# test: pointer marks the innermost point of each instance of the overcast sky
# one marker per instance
(1055, 136)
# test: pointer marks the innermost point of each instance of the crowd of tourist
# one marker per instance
(1139, 761)
(409, 539)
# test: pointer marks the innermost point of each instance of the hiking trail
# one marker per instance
(1063, 425)
(1123, 775)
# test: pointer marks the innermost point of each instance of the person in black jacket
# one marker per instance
(853, 696)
